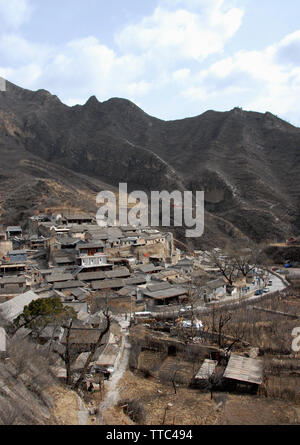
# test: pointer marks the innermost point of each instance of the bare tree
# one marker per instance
(101, 301)
(213, 381)
(247, 258)
(165, 415)
(238, 260)
(237, 328)
(226, 265)
(223, 321)
(67, 356)
(174, 380)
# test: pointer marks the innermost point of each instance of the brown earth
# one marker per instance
(192, 407)
(66, 406)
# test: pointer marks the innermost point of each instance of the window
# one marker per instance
(172, 351)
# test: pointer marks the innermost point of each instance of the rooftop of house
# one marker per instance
(13, 308)
(153, 236)
(59, 277)
(206, 370)
(94, 228)
(97, 236)
(38, 238)
(169, 273)
(121, 272)
(185, 262)
(128, 228)
(67, 240)
(172, 292)
(126, 291)
(79, 293)
(13, 280)
(91, 276)
(54, 270)
(108, 284)
(158, 287)
(2, 340)
(68, 284)
(215, 284)
(244, 369)
(93, 244)
(136, 280)
(81, 307)
(82, 336)
(12, 265)
(134, 235)
(64, 260)
(51, 332)
(14, 229)
(78, 216)
(130, 238)
(17, 252)
(147, 268)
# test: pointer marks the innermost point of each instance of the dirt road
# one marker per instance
(112, 394)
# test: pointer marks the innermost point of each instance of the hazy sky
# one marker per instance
(173, 58)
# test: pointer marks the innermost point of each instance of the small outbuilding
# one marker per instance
(244, 373)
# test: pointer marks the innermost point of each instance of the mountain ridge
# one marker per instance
(247, 162)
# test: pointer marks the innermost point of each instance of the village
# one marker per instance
(139, 303)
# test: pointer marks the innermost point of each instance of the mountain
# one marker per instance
(247, 162)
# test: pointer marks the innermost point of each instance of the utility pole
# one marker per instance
(130, 307)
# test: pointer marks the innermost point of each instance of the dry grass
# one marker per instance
(66, 407)
(192, 407)
(115, 416)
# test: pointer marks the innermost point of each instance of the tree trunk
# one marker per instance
(92, 353)
(67, 355)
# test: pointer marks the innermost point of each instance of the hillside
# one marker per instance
(247, 162)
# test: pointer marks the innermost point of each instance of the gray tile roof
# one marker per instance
(158, 287)
(167, 293)
(12, 280)
(68, 284)
(136, 280)
(121, 272)
(215, 284)
(91, 276)
(54, 270)
(146, 268)
(93, 244)
(13, 308)
(126, 291)
(108, 284)
(64, 260)
(56, 278)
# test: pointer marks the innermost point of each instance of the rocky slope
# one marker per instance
(247, 162)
